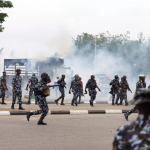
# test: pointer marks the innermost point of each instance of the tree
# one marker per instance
(4, 4)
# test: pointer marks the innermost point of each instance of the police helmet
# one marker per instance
(76, 75)
(116, 77)
(44, 75)
(124, 77)
(92, 76)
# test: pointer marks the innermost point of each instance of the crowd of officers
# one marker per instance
(76, 87)
(118, 88)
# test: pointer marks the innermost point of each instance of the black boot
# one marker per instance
(126, 116)
(116, 102)
(3, 101)
(76, 103)
(113, 102)
(56, 101)
(29, 114)
(62, 101)
(126, 102)
(40, 122)
(20, 107)
(72, 102)
(35, 102)
(91, 103)
(12, 106)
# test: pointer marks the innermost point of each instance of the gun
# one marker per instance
(129, 88)
(49, 86)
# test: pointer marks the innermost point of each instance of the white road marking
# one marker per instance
(77, 112)
(113, 111)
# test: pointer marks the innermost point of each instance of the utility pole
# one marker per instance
(95, 50)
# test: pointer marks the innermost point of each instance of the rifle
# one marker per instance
(49, 86)
(129, 88)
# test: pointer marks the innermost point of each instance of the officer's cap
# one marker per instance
(4, 71)
(63, 75)
(141, 75)
(141, 96)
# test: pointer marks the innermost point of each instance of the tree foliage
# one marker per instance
(4, 4)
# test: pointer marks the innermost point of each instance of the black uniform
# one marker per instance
(3, 79)
(61, 82)
(91, 85)
(115, 90)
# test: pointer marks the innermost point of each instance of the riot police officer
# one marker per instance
(92, 85)
(41, 99)
(62, 84)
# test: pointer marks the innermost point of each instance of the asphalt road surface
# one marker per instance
(63, 132)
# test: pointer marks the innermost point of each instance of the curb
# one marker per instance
(71, 112)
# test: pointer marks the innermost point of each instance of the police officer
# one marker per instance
(92, 85)
(62, 84)
(3, 87)
(17, 92)
(115, 89)
(124, 86)
(32, 81)
(75, 86)
(80, 90)
(41, 99)
(136, 135)
(140, 84)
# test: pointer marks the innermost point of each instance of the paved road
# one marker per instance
(63, 132)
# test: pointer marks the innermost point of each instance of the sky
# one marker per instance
(37, 28)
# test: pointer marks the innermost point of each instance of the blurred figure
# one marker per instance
(115, 89)
(62, 84)
(75, 86)
(3, 87)
(140, 84)
(136, 135)
(32, 81)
